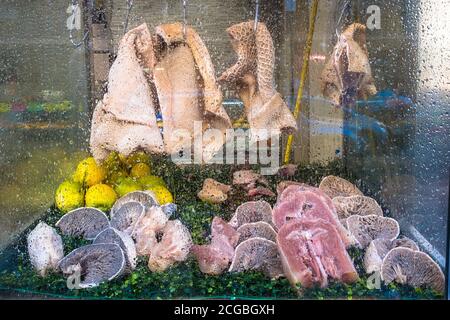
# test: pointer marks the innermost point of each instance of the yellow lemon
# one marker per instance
(114, 177)
(148, 182)
(163, 195)
(126, 185)
(89, 173)
(137, 157)
(115, 169)
(100, 196)
(112, 162)
(140, 170)
(69, 196)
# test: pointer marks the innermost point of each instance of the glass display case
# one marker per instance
(208, 149)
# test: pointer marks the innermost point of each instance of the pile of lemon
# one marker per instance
(100, 185)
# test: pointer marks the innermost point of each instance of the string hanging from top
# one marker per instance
(347, 6)
(255, 27)
(75, 9)
(129, 7)
(184, 6)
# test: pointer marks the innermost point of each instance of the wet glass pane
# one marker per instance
(399, 149)
(227, 149)
(44, 104)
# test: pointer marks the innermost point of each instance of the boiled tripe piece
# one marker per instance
(212, 95)
(45, 248)
(125, 120)
(109, 134)
(178, 93)
(129, 96)
(348, 69)
(253, 75)
(189, 97)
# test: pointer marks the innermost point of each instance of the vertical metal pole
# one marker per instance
(303, 74)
